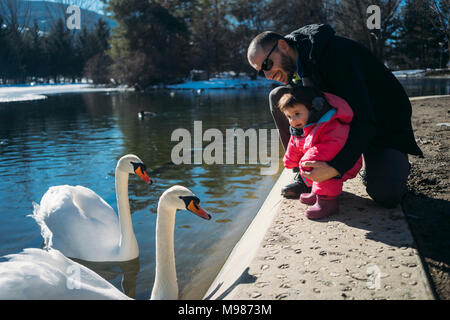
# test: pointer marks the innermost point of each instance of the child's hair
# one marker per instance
(299, 95)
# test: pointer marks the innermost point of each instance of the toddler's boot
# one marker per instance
(295, 189)
(308, 198)
(325, 206)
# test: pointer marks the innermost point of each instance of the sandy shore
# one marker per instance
(364, 252)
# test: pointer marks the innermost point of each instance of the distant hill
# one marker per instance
(46, 12)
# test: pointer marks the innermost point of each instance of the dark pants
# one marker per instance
(387, 169)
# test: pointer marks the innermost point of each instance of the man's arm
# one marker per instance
(343, 67)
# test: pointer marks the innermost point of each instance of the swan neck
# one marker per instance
(165, 286)
(127, 238)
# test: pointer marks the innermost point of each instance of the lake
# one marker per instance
(77, 139)
(416, 87)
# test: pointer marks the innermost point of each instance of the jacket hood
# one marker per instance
(317, 36)
(336, 108)
(311, 41)
(343, 110)
(319, 108)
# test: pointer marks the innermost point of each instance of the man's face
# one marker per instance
(283, 67)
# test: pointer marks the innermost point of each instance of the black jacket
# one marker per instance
(382, 110)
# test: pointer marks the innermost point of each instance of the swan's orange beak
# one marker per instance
(195, 208)
(143, 175)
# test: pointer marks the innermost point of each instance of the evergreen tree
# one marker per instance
(93, 46)
(148, 39)
(211, 43)
(4, 51)
(34, 58)
(15, 69)
(60, 51)
(102, 34)
(250, 18)
(88, 44)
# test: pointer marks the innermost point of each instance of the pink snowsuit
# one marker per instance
(321, 141)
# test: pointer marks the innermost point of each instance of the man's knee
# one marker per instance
(387, 173)
(388, 195)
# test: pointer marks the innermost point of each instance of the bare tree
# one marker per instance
(442, 9)
(251, 14)
(351, 21)
(288, 15)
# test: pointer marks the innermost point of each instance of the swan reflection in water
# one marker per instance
(111, 270)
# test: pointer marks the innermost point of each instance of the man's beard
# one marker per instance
(288, 65)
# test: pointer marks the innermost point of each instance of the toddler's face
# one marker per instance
(297, 116)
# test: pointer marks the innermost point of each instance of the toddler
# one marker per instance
(319, 125)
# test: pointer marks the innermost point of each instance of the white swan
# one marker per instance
(173, 199)
(80, 224)
(38, 274)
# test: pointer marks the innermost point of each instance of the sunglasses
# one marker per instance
(267, 63)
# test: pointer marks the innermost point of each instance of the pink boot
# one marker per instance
(325, 206)
(308, 198)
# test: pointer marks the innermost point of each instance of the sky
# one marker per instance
(93, 5)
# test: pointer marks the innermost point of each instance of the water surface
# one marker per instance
(76, 139)
(416, 87)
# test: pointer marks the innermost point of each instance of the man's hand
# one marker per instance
(321, 171)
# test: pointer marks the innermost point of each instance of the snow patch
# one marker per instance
(39, 92)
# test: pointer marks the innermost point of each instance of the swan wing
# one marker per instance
(78, 222)
(40, 274)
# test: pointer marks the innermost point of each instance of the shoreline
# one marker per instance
(31, 92)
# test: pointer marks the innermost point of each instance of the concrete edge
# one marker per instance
(235, 279)
(429, 97)
(234, 270)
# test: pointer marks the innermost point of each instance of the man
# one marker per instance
(381, 128)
